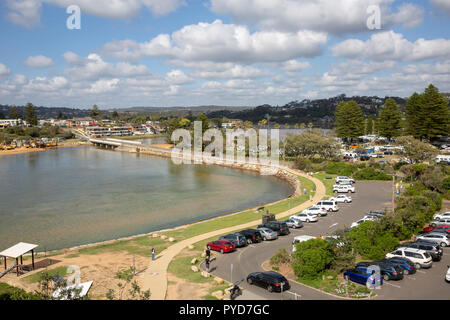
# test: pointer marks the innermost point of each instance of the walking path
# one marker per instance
(155, 276)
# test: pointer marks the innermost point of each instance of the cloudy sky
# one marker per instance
(222, 52)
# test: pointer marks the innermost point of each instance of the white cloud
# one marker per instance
(443, 5)
(40, 84)
(392, 46)
(4, 70)
(233, 72)
(331, 16)
(39, 62)
(178, 77)
(27, 12)
(219, 42)
(104, 86)
(94, 68)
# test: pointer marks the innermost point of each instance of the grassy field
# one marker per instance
(62, 271)
(327, 182)
(139, 246)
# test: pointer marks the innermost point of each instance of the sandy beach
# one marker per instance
(28, 150)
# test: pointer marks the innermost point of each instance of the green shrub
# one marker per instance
(371, 174)
(446, 184)
(282, 256)
(340, 168)
(311, 258)
(303, 164)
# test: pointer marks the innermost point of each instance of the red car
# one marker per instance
(221, 245)
(430, 228)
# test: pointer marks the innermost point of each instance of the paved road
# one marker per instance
(368, 196)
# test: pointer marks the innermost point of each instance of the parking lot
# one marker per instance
(425, 284)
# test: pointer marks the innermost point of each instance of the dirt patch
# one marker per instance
(285, 269)
(180, 289)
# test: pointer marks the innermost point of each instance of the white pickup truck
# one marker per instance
(337, 188)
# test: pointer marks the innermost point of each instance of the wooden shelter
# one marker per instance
(17, 251)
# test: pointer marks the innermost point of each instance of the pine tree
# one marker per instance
(13, 112)
(95, 112)
(349, 120)
(435, 114)
(389, 121)
(369, 126)
(30, 114)
(412, 110)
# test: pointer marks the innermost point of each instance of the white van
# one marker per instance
(420, 258)
(329, 205)
(442, 158)
(298, 239)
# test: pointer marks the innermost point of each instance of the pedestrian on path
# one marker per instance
(208, 253)
(207, 263)
(153, 253)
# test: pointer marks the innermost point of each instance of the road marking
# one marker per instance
(394, 285)
(421, 271)
(412, 278)
(333, 225)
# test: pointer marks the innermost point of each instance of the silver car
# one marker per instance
(268, 234)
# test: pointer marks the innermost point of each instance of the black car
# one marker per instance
(364, 158)
(388, 153)
(404, 263)
(279, 227)
(270, 280)
(237, 239)
(388, 271)
(252, 235)
(434, 249)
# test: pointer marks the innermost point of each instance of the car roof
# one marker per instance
(273, 274)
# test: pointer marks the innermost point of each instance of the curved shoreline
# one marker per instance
(291, 179)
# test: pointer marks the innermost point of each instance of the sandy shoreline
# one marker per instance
(30, 150)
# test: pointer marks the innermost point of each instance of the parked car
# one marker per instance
(432, 249)
(364, 157)
(406, 264)
(279, 227)
(316, 210)
(307, 217)
(387, 270)
(441, 238)
(340, 179)
(440, 222)
(366, 218)
(439, 216)
(432, 243)
(235, 238)
(299, 239)
(440, 229)
(252, 235)
(294, 223)
(221, 245)
(268, 234)
(270, 280)
(343, 189)
(388, 153)
(341, 198)
(375, 213)
(330, 206)
(420, 258)
(358, 276)
(447, 275)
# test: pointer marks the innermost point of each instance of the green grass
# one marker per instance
(327, 182)
(72, 255)
(140, 246)
(181, 267)
(34, 278)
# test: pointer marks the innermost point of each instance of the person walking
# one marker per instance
(153, 253)
(208, 253)
(207, 263)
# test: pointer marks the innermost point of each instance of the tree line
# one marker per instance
(426, 116)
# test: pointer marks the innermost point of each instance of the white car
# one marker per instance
(306, 217)
(420, 258)
(320, 212)
(343, 188)
(357, 223)
(299, 239)
(440, 238)
(344, 178)
(447, 275)
(341, 198)
(442, 215)
(328, 205)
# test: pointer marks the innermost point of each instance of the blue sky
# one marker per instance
(221, 52)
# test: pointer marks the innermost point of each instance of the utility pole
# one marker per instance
(393, 193)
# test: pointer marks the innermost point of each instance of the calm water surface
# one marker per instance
(66, 197)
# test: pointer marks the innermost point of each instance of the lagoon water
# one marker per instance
(66, 197)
